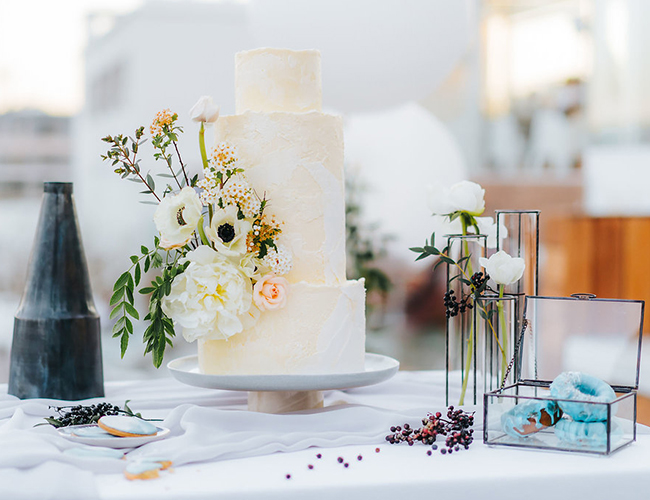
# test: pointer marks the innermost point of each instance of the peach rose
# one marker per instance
(270, 292)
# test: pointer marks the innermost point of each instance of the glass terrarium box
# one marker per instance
(577, 373)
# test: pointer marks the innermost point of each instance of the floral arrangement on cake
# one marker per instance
(457, 210)
(218, 251)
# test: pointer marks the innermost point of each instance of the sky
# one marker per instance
(41, 52)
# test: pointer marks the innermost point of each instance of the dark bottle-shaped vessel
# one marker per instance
(56, 350)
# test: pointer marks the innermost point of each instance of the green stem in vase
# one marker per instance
(504, 331)
(470, 341)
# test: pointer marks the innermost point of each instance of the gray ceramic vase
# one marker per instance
(56, 351)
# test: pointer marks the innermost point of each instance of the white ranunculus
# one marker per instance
(205, 110)
(466, 196)
(228, 232)
(503, 268)
(210, 298)
(176, 218)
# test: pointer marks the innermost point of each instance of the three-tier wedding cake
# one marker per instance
(292, 154)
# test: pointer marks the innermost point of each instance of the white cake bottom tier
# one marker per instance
(320, 330)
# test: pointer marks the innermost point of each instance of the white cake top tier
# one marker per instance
(268, 80)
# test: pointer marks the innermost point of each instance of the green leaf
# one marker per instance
(147, 263)
(122, 280)
(151, 182)
(124, 344)
(134, 258)
(116, 296)
(131, 310)
(447, 260)
(147, 290)
(138, 274)
(416, 249)
(422, 256)
(128, 325)
(117, 310)
(129, 295)
(144, 250)
(431, 250)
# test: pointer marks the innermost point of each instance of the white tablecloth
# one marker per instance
(222, 451)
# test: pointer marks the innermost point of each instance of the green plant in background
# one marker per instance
(364, 246)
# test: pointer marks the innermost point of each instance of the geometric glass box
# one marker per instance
(597, 337)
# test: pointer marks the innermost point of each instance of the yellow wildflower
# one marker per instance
(163, 118)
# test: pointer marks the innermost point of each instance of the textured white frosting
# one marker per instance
(292, 154)
(296, 160)
(277, 80)
(320, 330)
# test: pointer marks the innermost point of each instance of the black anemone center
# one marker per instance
(226, 232)
(179, 217)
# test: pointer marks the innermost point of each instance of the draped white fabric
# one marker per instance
(219, 447)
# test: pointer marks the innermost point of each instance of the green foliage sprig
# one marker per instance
(477, 283)
(123, 153)
(160, 331)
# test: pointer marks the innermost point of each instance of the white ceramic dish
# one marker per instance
(377, 369)
(110, 441)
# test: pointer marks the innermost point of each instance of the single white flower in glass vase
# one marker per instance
(210, 297)
(228, 233)
(503, 268)
(176, 218)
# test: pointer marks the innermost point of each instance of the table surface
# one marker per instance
(393, 472)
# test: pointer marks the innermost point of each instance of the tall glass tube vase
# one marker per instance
(518, 235)
(460, 334)
(494, 319)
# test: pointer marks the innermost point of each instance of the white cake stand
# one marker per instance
(285, 393)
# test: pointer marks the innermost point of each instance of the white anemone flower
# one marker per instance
(176, 218)
(228, 232)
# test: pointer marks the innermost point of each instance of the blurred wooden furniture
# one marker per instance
(605, 256)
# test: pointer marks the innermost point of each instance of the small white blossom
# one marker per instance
(279, 261)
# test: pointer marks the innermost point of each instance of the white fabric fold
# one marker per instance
(206, 425)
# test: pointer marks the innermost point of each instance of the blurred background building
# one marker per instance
(543, 102)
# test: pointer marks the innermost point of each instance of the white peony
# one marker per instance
(205, 110)
(503, 268)
(176, 218)
(464, 196)
(209, 297)
(228, 232)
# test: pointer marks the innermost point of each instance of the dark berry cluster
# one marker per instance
(479, 280)
(456, 429)
(454, 306)
(82, 415)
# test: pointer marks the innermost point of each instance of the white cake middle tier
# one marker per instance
(322, 329)
(295, 160)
